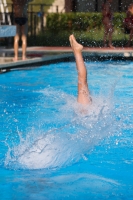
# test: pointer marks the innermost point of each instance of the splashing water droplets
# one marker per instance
(75, 134)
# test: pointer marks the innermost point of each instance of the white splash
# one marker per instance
(67, 143)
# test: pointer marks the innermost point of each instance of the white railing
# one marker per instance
(4, 9)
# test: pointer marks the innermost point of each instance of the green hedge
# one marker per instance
(80, 21)
(93, 38)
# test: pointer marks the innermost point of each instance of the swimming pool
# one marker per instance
(49, 150)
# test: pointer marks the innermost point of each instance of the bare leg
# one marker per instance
(83, 92)
(16, 40)
(130, 38)
(108, 30)
(110, 36)
(105, 36)
(24, 42)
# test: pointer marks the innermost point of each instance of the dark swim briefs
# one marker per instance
(20, 20)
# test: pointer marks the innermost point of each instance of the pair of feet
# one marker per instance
(109, 45)
(16, 58)
(128, 44)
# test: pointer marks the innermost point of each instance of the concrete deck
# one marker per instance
(41, 55)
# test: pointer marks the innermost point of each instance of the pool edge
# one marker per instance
(66, 57)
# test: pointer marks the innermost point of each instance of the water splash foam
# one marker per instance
(73, 137)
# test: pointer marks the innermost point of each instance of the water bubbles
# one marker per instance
(116, 142)
(15, 120)
(5, 111)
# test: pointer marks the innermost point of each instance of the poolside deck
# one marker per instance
(38, 55)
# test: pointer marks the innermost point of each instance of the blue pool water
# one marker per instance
(49, 150)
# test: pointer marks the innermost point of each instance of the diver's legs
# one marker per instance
(83, 92)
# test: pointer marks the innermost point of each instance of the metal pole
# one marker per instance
(42, 17)
(7, 12)
(35, 25)
(119, 5)
(96, 6)
(2, 11)
(57, 10)
(74, 5)
(12, 15)
(31, 18)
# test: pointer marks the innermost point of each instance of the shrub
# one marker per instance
(80, 21)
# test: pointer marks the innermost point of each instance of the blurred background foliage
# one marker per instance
(87, 27)
(80, 21)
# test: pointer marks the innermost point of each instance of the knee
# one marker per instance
(24, 39)
(16, 39)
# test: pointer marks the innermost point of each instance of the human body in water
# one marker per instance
(107, 22)
(83, 91)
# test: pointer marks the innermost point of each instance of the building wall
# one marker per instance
(95, 5)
